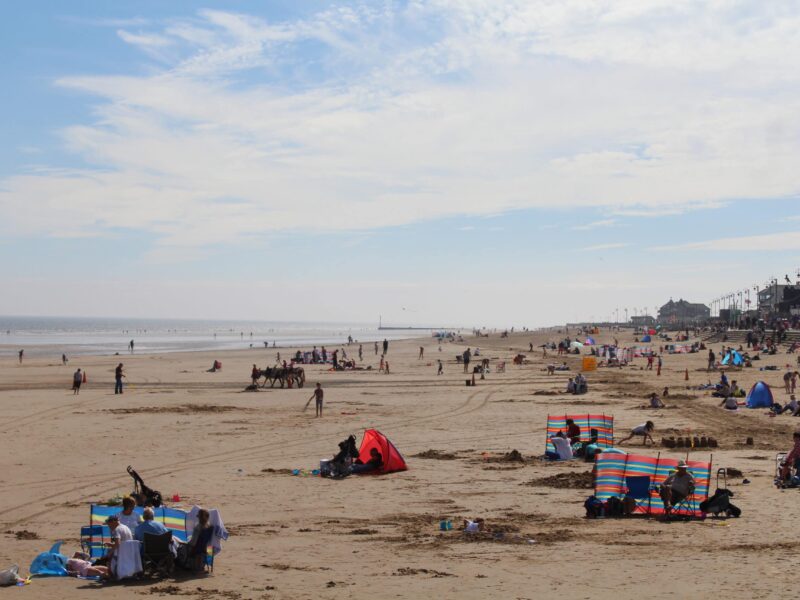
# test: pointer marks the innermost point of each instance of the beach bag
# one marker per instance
(9, 576)
(594, 507)
(50, 563)
(614, 507)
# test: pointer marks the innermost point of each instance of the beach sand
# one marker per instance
(199, 435)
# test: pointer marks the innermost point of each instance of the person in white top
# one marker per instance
(730, 403)
(563, 450)
(643, 430)
(127, 516)
(119, 534)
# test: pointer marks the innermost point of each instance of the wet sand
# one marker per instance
(198, 434)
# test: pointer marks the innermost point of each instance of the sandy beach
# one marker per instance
(200, 435)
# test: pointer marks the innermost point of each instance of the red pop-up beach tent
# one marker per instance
(392, 459)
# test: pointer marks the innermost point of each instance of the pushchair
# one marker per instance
(143, 495)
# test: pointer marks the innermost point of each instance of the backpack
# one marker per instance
(594, 507)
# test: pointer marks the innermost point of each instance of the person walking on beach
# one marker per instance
(466, 356)
(376, 348)
(712, 359)
(118, 375)
(255, 375)
(441, 368)
(64, 359)
(317, 396)
(77, 379)
(130, 346)
(385, 346)
(421, 353)
(21, 354)
(360, 353)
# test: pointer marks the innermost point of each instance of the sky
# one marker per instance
(447, 162)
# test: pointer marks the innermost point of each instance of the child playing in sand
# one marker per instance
(643, 430)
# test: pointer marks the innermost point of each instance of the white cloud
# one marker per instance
(771, 242)
(609, 246)
(146, 40)
(364, 116)
(595, 225)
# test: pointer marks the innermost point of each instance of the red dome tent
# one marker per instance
(392, 459)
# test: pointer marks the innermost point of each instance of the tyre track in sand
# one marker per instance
(466, 407)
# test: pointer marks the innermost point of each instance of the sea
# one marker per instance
(52, 336)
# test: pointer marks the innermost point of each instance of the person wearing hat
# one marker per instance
(119, 534)
(677, 487)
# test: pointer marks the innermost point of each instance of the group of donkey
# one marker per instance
(283, 375)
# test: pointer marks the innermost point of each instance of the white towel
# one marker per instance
(128, 560)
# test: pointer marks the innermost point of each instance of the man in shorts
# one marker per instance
(317, 396)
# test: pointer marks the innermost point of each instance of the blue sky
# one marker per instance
(461, 162)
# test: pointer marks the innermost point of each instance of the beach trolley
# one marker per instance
(603, 425)
(639, 477)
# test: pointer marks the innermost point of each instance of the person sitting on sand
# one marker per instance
(563, 449)
(730, 403)
(571, 386)
(374, 463)
(79, 566)
(573, 432)
(655, 401)
(677, 487)
(643, 430)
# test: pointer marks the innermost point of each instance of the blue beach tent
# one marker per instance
(733, 357)
(760, 396)
(646, 338)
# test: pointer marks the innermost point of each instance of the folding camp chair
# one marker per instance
(639, 490)
(157, 554)
(199, 558)
(501, 367)
(683, 508)
(93, 541)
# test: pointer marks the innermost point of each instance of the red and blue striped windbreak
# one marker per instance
(604, 424)
(612, 470)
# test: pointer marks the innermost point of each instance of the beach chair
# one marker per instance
(639, 490)
(201, 557)
(683, 509)
(157, 555)
(93, 541)
(501, 367)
